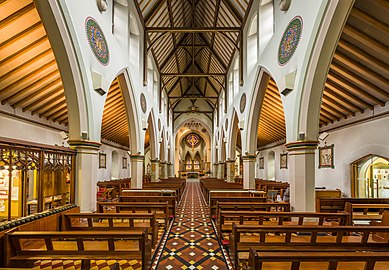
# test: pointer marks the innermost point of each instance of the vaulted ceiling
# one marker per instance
(29, 76)
(271, 127)
(115, 121)
(194, 43)
(358, 78)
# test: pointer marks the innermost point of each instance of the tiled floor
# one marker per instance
(192, 242)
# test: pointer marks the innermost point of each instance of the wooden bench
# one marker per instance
(365, 213)
(323, 259)
(333, 205)
(161, 209)
(227, 218)
(112, 221)
(214, 200)
(289, 238)
(171, 201)
(30, 246)
(251, 206)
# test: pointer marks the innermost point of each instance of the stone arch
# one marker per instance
(153, 136)
(68, 65)
(316, 72)
(233, 135)
(132, 117)
(259, 91)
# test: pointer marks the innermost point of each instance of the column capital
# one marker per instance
(307, 147)
(137, 157)
(163, 162)
(230, 161)
(249, 157)
(84, 144)
(155, 160)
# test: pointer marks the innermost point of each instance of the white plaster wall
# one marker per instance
(105, 174)
(27, 131)
(281, 174)
(351, 143)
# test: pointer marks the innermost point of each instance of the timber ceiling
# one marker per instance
(193, 43)
(29, 76)
(115, 124)
(271, 126)
(358, 78)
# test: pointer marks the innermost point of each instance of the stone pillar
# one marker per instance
(154, 170)
(163, 173)
(215, 170)
(170, 169)
(230, 167)
(87, 165)
(249, 171)
(302, 175)
(222, 166)
(137, 167)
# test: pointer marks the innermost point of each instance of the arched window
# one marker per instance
(236, 77)
(266, 23)
(134, 48)
(252, 44)
(119, 24)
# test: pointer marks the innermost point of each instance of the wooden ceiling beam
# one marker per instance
(16, 15)
(192, 29)
(329, 114)
(326, 119)
(333, 110)
(347, 63)
(48, 87)
(352, 88)
(330, 100)
(195, 75)
(22, 34)
(368, 19)
(55, 112)
(233, 11)
(50, 97)
(150, 15)
(365, 39)
(362, 56)
(333, 90)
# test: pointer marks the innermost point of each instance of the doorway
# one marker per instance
(370, 177)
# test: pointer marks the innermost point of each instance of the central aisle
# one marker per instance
(192, 242)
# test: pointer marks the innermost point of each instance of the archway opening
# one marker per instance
(370, 177)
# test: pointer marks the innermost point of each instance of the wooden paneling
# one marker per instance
(358, 78)
(29, 75)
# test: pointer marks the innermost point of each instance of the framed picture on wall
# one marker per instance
(261, 163)
(326, 156)
(124, 163)
(284, 161)
(102, 160)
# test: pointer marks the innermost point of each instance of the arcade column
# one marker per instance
(249, 171)
(230, 167)
(87, 165)
(154, 170)
(137, 169)
(302, 174)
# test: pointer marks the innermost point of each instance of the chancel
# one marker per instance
(194, 134)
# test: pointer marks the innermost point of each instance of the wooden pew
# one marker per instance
(111, 222)
(280, 218)
(161, 209)
(171, 201)
(332, 258)
(365, 213)
(214, 200)
(333, 205)
(287, 238)
(30, 246)
(266, 185)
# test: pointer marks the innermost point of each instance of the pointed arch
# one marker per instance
(153, 135)
(233, 135)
